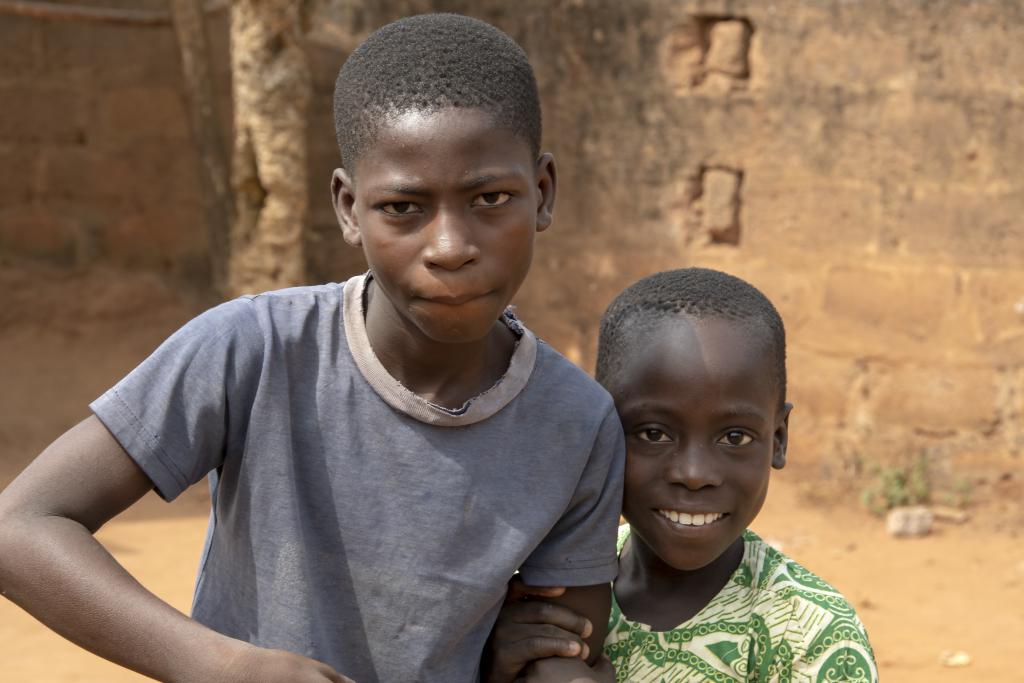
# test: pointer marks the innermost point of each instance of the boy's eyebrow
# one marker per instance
(742, 411)
(410, 188)
(484, 179)
(402, 188)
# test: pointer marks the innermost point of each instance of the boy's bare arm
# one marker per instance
(51, 566)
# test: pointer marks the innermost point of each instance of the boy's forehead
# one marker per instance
(711, 334)
(409, 119)
(455, 138)
(683, 350)
(448, 124)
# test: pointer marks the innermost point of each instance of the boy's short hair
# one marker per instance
(431, 62)
(696, 292)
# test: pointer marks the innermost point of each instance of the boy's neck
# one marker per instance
(445, 374)
(654, 593)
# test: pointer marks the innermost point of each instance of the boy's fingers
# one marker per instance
(540, 612)
(546, 641)
(541, 647)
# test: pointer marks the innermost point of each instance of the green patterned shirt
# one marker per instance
(773, 621)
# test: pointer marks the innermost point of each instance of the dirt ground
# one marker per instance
(63, 342)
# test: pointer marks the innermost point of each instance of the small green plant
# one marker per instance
(896, 486)
(960, 495)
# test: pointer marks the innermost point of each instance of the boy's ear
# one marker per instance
(547, 182)
(780, 441)
(343, 197)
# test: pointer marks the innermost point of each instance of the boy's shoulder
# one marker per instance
(777, 576)
(566, 386)
(296, 298)
(298, 293)
(819, 620)
(273, 307)
(770, 569)
(286, 314)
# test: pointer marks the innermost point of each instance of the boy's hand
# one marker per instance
(527, 630)
(253, 664)
(569, 671)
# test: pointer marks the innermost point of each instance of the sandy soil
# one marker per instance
(63, 343)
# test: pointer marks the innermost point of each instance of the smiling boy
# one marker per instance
(374, 447)
(696, 362)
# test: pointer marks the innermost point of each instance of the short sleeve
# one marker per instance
(580, 549)
(185, 406)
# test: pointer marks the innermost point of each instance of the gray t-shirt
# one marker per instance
(353, 521)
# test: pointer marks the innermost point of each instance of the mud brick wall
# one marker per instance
(859, 162)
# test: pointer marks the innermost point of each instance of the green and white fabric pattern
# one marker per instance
(773, 621)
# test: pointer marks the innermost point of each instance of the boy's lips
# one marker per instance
(693, 520)
(454, 299)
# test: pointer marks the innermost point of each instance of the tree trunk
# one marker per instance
(272, 89)
(218, 202)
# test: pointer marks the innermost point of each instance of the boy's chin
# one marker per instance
(457, 332)
(691, 563)
(685, 554)
(466, 324)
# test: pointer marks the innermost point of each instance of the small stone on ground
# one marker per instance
(909, 522)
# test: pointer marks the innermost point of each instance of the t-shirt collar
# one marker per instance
(399, 397)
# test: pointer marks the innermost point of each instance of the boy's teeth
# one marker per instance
(691, 520)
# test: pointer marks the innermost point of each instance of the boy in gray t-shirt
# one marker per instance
(383, 453)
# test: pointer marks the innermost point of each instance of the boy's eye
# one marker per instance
(399, 208)
(735, 437)
(653, 435)
(492, 199)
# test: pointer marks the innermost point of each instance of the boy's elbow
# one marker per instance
(22, 528)
(9, 520)
(32, 545)
(12, 535)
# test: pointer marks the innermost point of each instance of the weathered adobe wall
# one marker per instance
(859, 162)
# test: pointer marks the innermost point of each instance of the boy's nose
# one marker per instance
(450, 243)
(695, 467)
